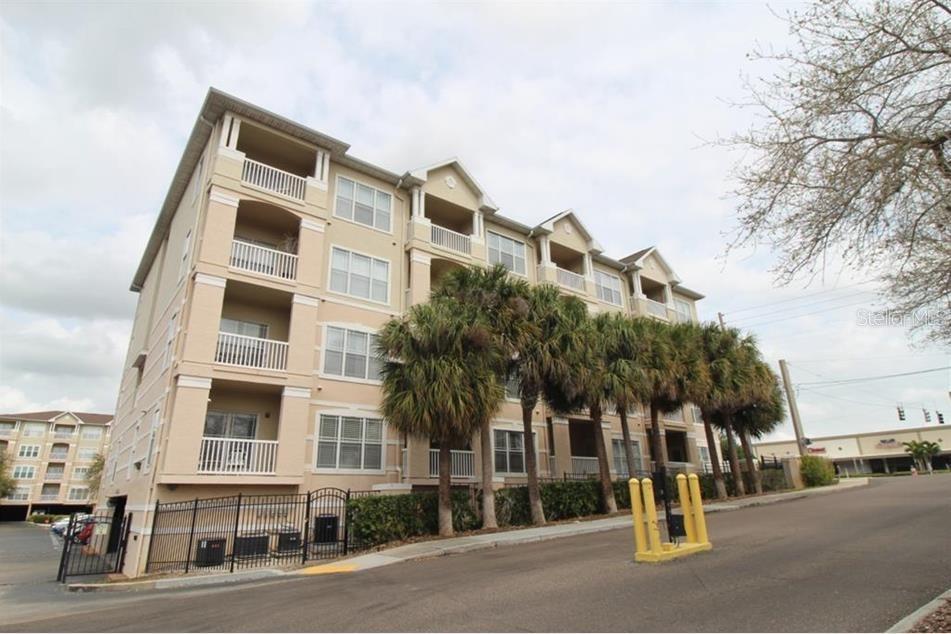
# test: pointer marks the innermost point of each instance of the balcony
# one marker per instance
(263, 260)
(64, 435)
(54, 475)
(655, 308)
(270, 179)
(251, 352)
(569, 279)
(59, 455)
(584, 465)
(49, 497)
(449, 239)
(463, 463)
(237, 456)
(7, 432)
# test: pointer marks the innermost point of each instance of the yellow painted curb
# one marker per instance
(327, 569)
(672, 551)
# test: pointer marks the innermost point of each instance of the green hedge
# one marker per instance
(379, 519)
(43, 518)
(816, 471)
(561, 500)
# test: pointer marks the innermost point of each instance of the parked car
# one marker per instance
(59, 526)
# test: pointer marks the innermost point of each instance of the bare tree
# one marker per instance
(852, 158)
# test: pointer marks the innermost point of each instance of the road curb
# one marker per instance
(909, 621)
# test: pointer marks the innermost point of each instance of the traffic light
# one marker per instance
(940, 418)
(927, 415)
(901, 413)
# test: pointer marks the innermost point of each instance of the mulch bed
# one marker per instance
(937, 621)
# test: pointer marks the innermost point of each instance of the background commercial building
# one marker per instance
(49, 454)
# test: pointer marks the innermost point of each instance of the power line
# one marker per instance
(876, 378)
(814, 312)
(793, 299)
(881, 405)
(806, 305)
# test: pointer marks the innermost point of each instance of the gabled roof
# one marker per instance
(421, 173)
(637, 259)
(49, 416)
(548, 226)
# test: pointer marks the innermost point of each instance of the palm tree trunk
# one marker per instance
(657, 441)
(628, 451)
(714, 456)
(607, 487)
(445, 496)
(733, 457)
(531, 467)
(488, 470)
(750, 463)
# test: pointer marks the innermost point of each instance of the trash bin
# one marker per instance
(210, 552)
(325, 529)
(288, 540)
(252, 544)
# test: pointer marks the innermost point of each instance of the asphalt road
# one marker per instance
(851, 561)
(28, 555)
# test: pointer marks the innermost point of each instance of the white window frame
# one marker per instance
(20, 469)
(238, 323)
(91, 433)
(186, 250)
(81, 450)
(353, 207)
(602, 290)
(39, 428)
(620, 460)
(85, 496)
(682, 307)
(80, 473)
(153, 433)
(35, 453)
(338, 441)
(169, 341)
(325, 348)
(373, 260)
(501, 237)
(20, 493)
(508, 451)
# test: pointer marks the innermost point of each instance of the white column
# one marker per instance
(588, 266)
(668, 298)
(477, 224)
(422, 204)
(235, 127)
(546, 250)
(638, 291)
(414, 204)
(225, 128)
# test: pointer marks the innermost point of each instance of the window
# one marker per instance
(683, 310)
(92, 433)
(34, 430)
(183, 265)
(86, 454)
(153, 432)
(620, 459)
(512, 389)
(24, 472)
(29, 451)
(169, 341)
(230, 425)
(509, 451)
(362, 204)
(359, 275)
(198, 170)
(677, 415)
(244, 328)
(704, 454)
(351, 353)
(507, 252)
(19, 493)
(78, 493)
(80, 473)
(7, 429)
(348, 442)
(608, 287)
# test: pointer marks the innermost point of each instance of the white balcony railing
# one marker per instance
(54, 475)
(6, 432)
(451, 239)
(569, 279)
(49, 497)
(63, 434)
(463, 463)
(59, 455)
(657, 309)
(237, 456)
(583, 465)
(273, 180)
(263, 260)
(251, 352)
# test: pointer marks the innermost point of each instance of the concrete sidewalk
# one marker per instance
(453, 545)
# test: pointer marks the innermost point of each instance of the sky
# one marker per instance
(607, 109)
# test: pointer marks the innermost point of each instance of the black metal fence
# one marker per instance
(94, 543)
(246, 531)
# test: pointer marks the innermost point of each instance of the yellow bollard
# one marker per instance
(687, 509)
(697, 502)
(653, 530)
(637, 514)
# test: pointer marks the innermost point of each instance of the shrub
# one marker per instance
(379, 519)
(561, 500)
(816, 471)
(44, 518)
(773, 480)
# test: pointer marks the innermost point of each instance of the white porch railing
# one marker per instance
(59, 455)
(54, 475)
(237, 456)
(656, 308)
(463, 463)
(451, 239)
(49, 497)
(273, 180)
(569, 279)
(251, 352)
(63, 434)
(583, 465)
(263, 260)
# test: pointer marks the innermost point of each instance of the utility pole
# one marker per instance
(793, 409)
(720, 317)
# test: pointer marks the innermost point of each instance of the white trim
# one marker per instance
(219, 196)
(315, 438)
(343, 407)
(296, 392)
(199, 382)
(343, 302)
(319, 227)
(389, 275)
(391, 194)
(211, 280)
(319, 184)
(360, 328)
(421, 258)
(306, 300)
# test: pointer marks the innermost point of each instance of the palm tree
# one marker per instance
(577, 380)
(6, 480)
(440, 380)
(922, 452)
(503, 302)
(623, 377)
(760, 417)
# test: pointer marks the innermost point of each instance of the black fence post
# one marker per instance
(306, 540)
(234, 537)
(191, 536)
(346, 522)
(64, 557)
(148, 556)
(124, 543)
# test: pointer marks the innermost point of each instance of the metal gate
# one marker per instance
(94, 543)
(248, 531)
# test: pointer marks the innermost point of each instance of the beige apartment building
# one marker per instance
(49, 454)
(276, 257)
